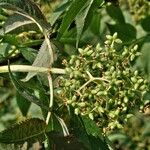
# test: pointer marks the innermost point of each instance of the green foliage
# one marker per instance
(25, 6)
(145, 24)
(136, 133)
(23, 104)
(82, 13)
(25, 93)
(88, 133)
(126, 32)
(29, 130)
(116, 13)
(74, 9)
(92, 97)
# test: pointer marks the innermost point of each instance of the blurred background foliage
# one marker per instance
(130, 19)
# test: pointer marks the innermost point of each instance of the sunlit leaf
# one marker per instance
(80, 19)
(92, 11)
(42, 60)
(74, 9)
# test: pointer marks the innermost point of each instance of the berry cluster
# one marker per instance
(139, 8)
(101, 83)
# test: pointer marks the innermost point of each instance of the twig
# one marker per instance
(27, 68)
(91, 80)
(49, 49)
(63, 125)
(51, 97)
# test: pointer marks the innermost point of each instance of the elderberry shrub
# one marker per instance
(101, 83)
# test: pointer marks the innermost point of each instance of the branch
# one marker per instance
(27, 68)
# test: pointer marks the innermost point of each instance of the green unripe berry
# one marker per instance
(119, 126)
(77, 62)
(125, 51)
(108, 42)
(68, 70)
(73, 104)
(116, 113)
(98, 48)
(86, 49)
(100, 109)
(90, 96)
(136, 85)
(77, 111)
(77, 73)
(74, 98)
(135, 47)
(82, 104)
(138, 54)
(136, 73)
(109, 37)
(140, 81)
(143, 87)
(99, 65)
(112, 68)
(134, 79)
(132, 57)
(126, 99)
(112, 114)
(71, 75)
(100, 93)
(124, 109)
(123, 104)
(93, 91)
(67, 83)
(89, 52)
(91, 116)
(115, 35)
(81, 51)
(119, 102)
(69, 102)
(118, 41)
